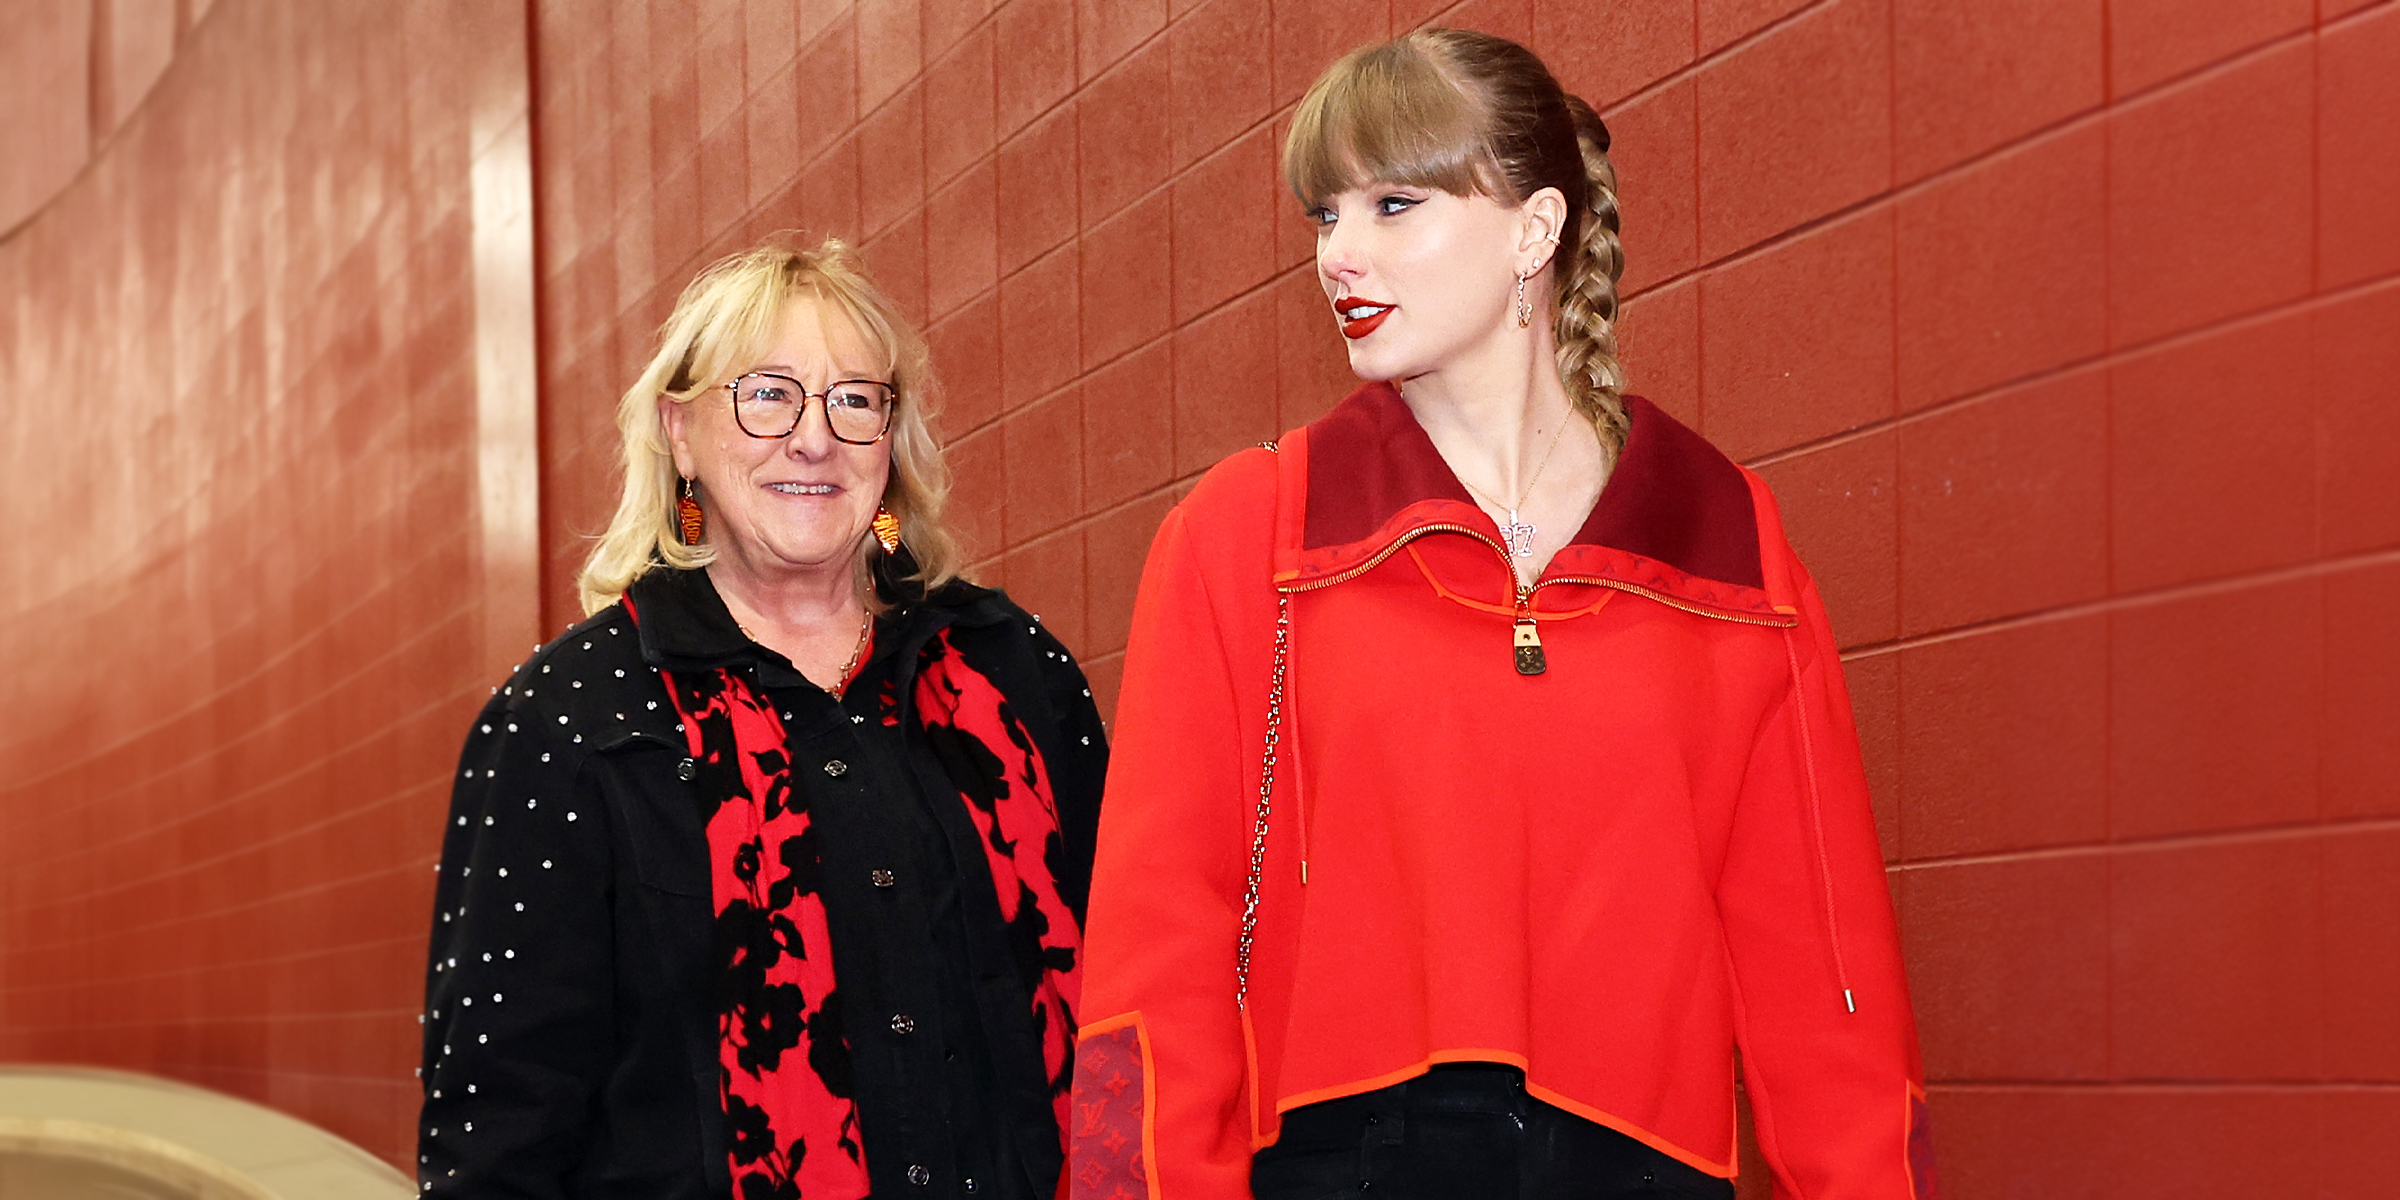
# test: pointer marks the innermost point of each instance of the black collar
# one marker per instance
(684, 625)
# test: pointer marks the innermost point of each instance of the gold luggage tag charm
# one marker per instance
(1530, 660)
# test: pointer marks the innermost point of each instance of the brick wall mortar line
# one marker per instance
(2162, 843)
(2134, 601)
(2258, 316)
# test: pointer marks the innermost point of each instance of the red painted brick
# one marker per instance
(966, 357)
(951, 20)
(1654, 145)
(897, 258)
(1720, 22)
(2358, 149)
(891, 49)
(1307, 38)
(2215, 707)
(772, 126)
(1874, 686)
(1511, 19)
(2362, 694)
(2008, 967)
(1658, 343)
(724, 178)
(2154, 40)
(1037, 189)
(1043, 447)
(1108, 30)
(1219, 84)
(1046, 578)
(2356, 365)
(721, 55)
(1216, 411)
(1039, 311)
(2217, 967)
(2004, 505)
(1838, 510)
(962, 252)
(1036, 59)
(2006, 740)
(1968, 77)
(2190, 501)
(1795, 125)
(1129, 427)
(1115, 546)
(1605, 53)
(829, 102)
(2362, 953)
(1312, 359)
(2003, 269)
(959, 92)
(770, 35)
(1123, 133)
(1126, 266)
(2186, 249)
(1797, 341)
(1224, 240)
(978, 490)
(829, 192)
(2084, 1143)
(891, 155)
(2359, 1156)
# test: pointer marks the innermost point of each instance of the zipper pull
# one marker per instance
(1530, 660)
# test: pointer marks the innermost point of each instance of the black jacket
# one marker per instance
(571, 1023)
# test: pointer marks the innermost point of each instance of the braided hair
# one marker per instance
(1474, 114)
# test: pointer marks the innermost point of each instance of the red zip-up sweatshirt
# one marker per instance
(1609, 874)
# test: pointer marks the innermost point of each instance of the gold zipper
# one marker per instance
(1525, 634)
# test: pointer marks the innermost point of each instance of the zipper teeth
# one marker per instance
(1524, 594)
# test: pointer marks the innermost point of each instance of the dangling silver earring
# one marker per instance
(1524, 310)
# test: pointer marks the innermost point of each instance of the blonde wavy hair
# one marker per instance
(724, 322)
(1472, 114)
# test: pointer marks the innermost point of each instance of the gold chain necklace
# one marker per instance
(1519, 534)
(866, 625)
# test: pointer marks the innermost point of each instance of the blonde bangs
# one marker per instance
(1388, 114)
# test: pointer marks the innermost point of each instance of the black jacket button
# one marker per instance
(687, 770)
(919, 1176)
(902, 1023)
(837, 768)
(881, 878)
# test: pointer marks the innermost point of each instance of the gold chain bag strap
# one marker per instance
(1266, 796)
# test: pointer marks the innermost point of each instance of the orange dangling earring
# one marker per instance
(688, 516)
(887, 530)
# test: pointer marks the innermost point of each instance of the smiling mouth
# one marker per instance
(803, 489)
(1360, 317)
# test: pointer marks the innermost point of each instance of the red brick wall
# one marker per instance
(2058, 325)
(245, 600)
(2063, 328)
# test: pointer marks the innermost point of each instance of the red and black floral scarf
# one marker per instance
(791, 1119)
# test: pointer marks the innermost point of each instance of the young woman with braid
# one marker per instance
(1483, 771)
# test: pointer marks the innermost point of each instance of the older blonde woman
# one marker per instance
(766, 880)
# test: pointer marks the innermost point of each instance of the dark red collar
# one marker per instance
(1677, 515)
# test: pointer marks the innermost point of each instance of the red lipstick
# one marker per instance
(1361, 317)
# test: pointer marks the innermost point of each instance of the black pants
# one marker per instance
(1466, 1131)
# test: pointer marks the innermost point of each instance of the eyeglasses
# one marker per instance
(859, 411)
